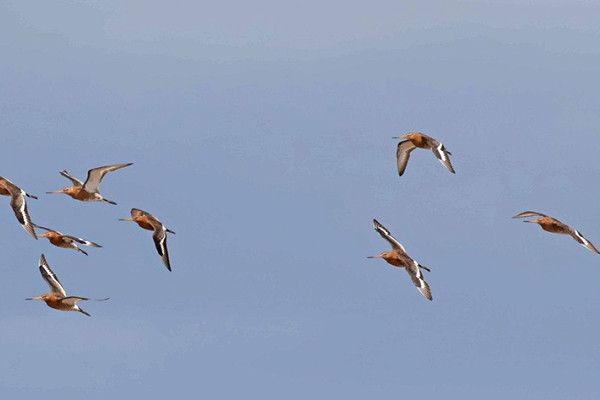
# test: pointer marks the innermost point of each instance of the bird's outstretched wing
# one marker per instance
(50, 277)
(442, 154)
(82, 241)
(417, 277)
(388, 236)
(72, 300)
(19, 206)
(46, 229)
(583, 241)
(74, 181)
(95, 175)
(160, 241)
(526, 214)
(403, 154)
(136, 212)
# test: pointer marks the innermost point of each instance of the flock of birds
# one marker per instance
(398, 256)
(88, 191)
(82, 191)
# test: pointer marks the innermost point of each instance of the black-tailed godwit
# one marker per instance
(18, 203)
(399, 258)
(148, 221)
(57, 298)
(88, 190)
(414, 140)
(555, 226)
(65, 241)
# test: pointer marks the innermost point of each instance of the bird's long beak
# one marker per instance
(126, 219)
(43, 235)
(531, 220)
(35, 298)
(55, 192)
(399, 137)
(377, 256)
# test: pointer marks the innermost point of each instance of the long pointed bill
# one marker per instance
(377, 256)
(125, 219)
(399, 137)
(55, 192)
(35, 298)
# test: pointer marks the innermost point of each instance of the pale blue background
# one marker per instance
(260, 132)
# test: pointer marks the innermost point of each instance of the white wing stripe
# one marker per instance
(442, 152)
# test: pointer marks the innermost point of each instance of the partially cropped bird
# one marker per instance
(148, 221)
(555, 226)
(88, 190)
(414, 140)
(18, 203)
(399, 258)
(57, 298)
(65, 241)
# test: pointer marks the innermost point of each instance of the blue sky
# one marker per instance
(261, 134)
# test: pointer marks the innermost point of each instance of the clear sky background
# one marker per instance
(261, 132)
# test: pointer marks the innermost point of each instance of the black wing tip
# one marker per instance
(167, 262)
(167, 265)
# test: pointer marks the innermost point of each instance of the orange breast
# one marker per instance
(55, 303)
(552, 226)
(81, 194)
(55, 239)
(393, 259)
(419, 140)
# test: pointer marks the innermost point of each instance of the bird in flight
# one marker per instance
(414, 140)
(65, 241)
(57, 298)
(148, 221)
(88, 190)
(555, 226)
(18, 204)
(399, 258)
